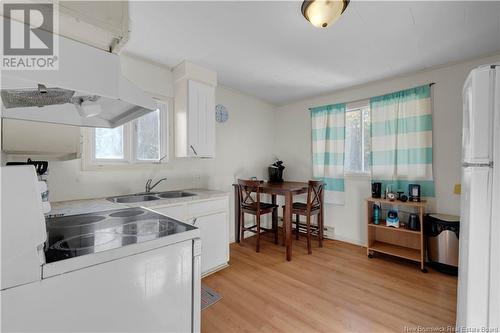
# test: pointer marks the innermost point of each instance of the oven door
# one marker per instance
(146, 292)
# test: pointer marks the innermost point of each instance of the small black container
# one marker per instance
(376, 190)
(275, 174)
(414, 222)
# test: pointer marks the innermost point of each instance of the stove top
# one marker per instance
(77, 235)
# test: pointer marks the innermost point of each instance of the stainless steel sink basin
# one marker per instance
(143, 197)
(175, 194)
(133, 198)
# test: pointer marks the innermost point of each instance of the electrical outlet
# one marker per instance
(328, 232)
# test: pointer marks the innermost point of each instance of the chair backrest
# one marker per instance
(246, 188)
(315, 194)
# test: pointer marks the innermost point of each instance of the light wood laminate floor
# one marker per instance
(336, 289)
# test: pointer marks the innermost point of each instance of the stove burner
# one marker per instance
(146, 227)
(127, 213)
(86, 234)
(83, 242)
(75, 221)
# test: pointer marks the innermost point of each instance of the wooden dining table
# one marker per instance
(286, 189)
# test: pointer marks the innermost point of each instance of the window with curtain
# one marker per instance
(328, 134)
(391, 137)
(357, 138)
(401, 139)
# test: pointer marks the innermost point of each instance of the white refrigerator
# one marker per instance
(479, 258)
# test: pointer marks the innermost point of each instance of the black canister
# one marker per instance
(414, 222)
(376, 190)
(276, 172)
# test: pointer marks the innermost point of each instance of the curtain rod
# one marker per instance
(368, 98)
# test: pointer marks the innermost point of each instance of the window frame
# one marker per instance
(353, 107)
(164, 133)
(90, 162)
(111, 161)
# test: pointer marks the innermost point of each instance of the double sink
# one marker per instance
(150, 196)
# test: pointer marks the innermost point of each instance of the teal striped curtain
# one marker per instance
(328, 132)
(401, 135)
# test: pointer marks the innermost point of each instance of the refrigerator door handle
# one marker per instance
(480, 165)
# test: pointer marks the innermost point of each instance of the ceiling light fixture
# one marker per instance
(323, 13)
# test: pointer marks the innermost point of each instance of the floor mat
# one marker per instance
(208, 296)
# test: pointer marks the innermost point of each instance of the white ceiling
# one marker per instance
(267, 49)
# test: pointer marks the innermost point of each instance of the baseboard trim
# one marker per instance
(214, 270)
(347, 240)
(335, 238)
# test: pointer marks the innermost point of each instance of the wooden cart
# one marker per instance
(399, 242)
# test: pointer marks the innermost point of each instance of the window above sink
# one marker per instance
(141, 142)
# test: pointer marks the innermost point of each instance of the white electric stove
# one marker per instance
(126, 270)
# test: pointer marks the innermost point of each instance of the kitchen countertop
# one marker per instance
(74, 207)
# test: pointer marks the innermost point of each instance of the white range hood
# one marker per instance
(87, 90)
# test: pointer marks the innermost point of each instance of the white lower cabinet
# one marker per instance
(212, 218)
(214, 251)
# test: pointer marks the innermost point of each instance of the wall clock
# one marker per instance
(221, 113)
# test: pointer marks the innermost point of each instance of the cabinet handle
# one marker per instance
(194, 221)
(194, 151)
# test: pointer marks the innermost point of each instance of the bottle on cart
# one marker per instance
(376, 213)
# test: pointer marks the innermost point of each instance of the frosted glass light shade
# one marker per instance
(323, 13)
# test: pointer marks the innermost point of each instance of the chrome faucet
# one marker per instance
(149, 187)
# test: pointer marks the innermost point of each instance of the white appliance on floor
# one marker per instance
(126, 270)
(479, 259)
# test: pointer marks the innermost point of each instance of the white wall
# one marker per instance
(293, 141)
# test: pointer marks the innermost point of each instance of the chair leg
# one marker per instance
(308, 223)
(283, 227)
(257, 246)
(320, 231)
(275, 224)
(242, 226)
(297, 221)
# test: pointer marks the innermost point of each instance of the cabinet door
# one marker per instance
(201, 119)
(145, 292)
(23, 137)
(214, 241)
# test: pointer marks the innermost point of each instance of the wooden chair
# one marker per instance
(313, 206)
(254, 206)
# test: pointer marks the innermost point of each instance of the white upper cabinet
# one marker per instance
(194, 111)
(101, 24)
(41, 140)
(201, 119)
